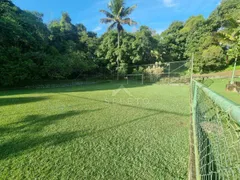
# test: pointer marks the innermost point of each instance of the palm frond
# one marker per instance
(129, 21)
(108, 14)
(116, 14)
(120, 27)
(115, 6)
(106, 20)
(224, 38)
(127, 11)
(120, 11)
(236, 33)
(112, 26)
(231, 23)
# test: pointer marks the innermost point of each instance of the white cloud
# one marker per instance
(97, 29)
(169, 3)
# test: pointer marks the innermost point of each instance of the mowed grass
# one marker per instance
(95, 132)
(219, 86)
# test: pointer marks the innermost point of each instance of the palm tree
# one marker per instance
(117, 17)
(230, 37)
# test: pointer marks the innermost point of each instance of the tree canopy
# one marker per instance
(32, 50)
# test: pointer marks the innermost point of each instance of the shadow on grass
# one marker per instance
(20, 100)
(130, 106)
(41, 110)
(122, 124)
(91, 87)
(25, 134)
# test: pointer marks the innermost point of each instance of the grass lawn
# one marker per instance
(95, 132)
(219, 86)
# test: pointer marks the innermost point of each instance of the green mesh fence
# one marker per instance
(216, 128)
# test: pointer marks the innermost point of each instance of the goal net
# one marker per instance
(135, 78)
(168, 72)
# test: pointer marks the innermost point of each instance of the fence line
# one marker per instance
(216, 128)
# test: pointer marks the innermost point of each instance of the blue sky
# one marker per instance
(157, 14)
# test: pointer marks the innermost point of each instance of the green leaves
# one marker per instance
(108, 14)
(127, 11)
(213, 58)
(30, 50)
(118, 15)
(107, 20)
(118, 12)
(138, 48)
(230, 37)
(172, 42)
(129, 21)
(115, 6)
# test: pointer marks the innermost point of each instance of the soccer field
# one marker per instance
(102, 131)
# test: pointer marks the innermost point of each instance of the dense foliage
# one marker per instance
(198, 35)
(31, 50)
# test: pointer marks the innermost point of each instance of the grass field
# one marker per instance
(95, 132)
(219, 86)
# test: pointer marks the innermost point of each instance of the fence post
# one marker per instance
(194, 106)
(169, 71)
(192, 68)
(234, 70)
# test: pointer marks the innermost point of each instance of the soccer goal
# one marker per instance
(135, 78)
(161, 73)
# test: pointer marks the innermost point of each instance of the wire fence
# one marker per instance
(165, 73)
(216, 129)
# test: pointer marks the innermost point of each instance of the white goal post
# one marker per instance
(135, 75)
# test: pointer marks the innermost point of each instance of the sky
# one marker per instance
(157, 14)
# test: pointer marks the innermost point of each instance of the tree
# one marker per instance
(230, 37)
(118, 16)
(107, 50)
(212, 58)
(31, 50)
(172, 43)
(23, 39)
(145, 47)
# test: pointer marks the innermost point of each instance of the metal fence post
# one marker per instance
(169, 71)
(194, 106)
(192, 65)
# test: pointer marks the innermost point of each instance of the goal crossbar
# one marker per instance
(134, 75)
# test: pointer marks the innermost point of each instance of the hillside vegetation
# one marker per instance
(32, 50)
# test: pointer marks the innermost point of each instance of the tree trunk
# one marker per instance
(119, 56)
(234, 70)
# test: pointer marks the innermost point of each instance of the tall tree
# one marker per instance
(145, 47)
(172, 43)
(117, 17)
(230, 37)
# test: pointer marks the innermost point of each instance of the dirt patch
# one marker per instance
(182, 124)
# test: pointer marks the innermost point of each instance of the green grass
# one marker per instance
(219, 86)
(231, 67)
(86, 133)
